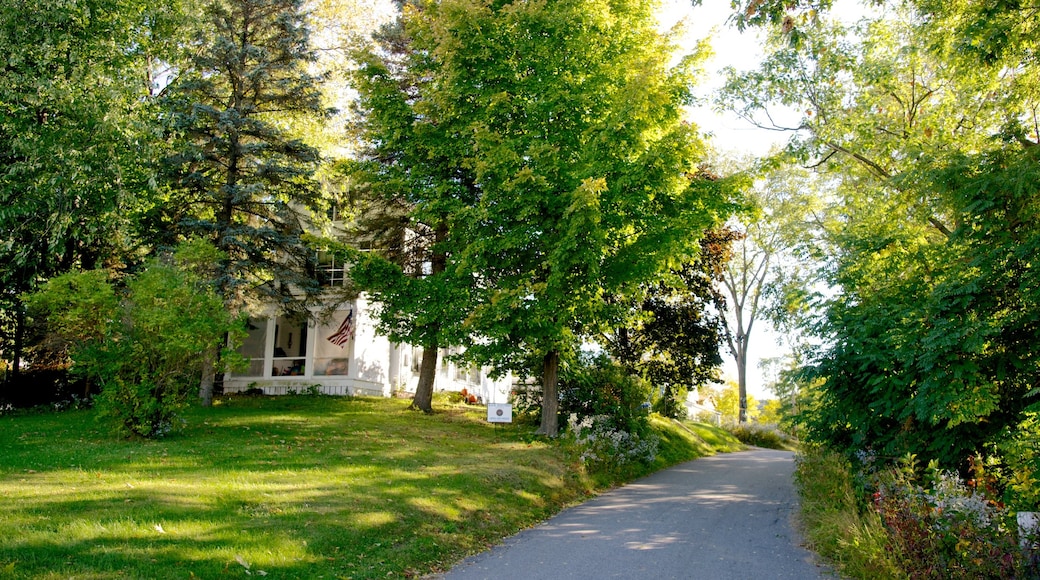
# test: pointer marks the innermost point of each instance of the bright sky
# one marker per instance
(729, 134)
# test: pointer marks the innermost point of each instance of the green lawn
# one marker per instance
(287, 487)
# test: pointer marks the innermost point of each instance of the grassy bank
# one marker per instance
(288, 487)
(836, 526)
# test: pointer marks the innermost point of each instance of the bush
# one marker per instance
(759, 435)
(670, 404)
(1019, 451)
(605, 449)
(595, 386)
(599, 387)
(608, 453)
(943, 528)
(904, 522)
(142, 342)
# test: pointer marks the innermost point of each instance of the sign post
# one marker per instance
(500, 413)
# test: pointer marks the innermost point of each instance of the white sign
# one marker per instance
(500, 413)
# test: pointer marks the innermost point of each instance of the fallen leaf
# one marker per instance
(242, 561)
(158, 528)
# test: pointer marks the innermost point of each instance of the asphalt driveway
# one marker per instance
(721, 517)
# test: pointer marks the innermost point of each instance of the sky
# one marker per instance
(730, 135)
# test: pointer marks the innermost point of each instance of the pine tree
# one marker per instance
(237, 174)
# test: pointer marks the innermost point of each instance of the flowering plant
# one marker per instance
(606, 448)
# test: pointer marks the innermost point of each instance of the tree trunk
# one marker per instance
(19, 341)
(209, 370)
(550, 397)
(423, 400)
(742, 385)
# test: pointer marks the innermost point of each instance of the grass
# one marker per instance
(287, 487)
(853, 539)
(760, 435)
(714, 437)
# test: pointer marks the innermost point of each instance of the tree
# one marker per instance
(237, 175)
(674, 345)
(765, 260)
(733, 405)
(569, 117)
(73, 146)
(928, 122)
(412, 180)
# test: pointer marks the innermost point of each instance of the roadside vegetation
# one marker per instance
(288, 487)
(762, 435)
(910, 521)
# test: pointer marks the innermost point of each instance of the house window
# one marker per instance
(417, 354)
(290, 347)
(445, 363)
(253, 348)
(330, 271)
(334, 344)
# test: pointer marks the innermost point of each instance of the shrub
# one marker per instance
(943, 528)
(759, 435)
(599, 387)
(595, 386)
(606, 449)
(669, 403)
(1019, 450)
(142, 342)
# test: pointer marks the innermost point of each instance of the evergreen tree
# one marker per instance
(237, 174)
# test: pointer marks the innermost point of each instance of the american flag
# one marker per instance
(345, 332)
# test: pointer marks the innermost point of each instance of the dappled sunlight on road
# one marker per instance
(726, 516)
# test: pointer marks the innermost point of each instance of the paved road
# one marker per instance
(721, 517)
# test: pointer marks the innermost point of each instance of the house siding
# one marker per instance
(377, 367)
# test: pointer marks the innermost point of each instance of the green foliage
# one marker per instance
(595, 386)
(852, 538)
(1018, 449)
(943, 528)
(727, 402)
(142, 342)
(936, 353)
(562, 168)
(74, 140)
(237, 174)
(929, 322)
(70, 159)
(772, 412)
(674, 345)
(759, 435)
(599, 387)
(608, 451)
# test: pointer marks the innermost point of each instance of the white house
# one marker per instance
(701, 406)
(344, 355)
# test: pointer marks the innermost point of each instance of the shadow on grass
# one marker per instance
(295, 487)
